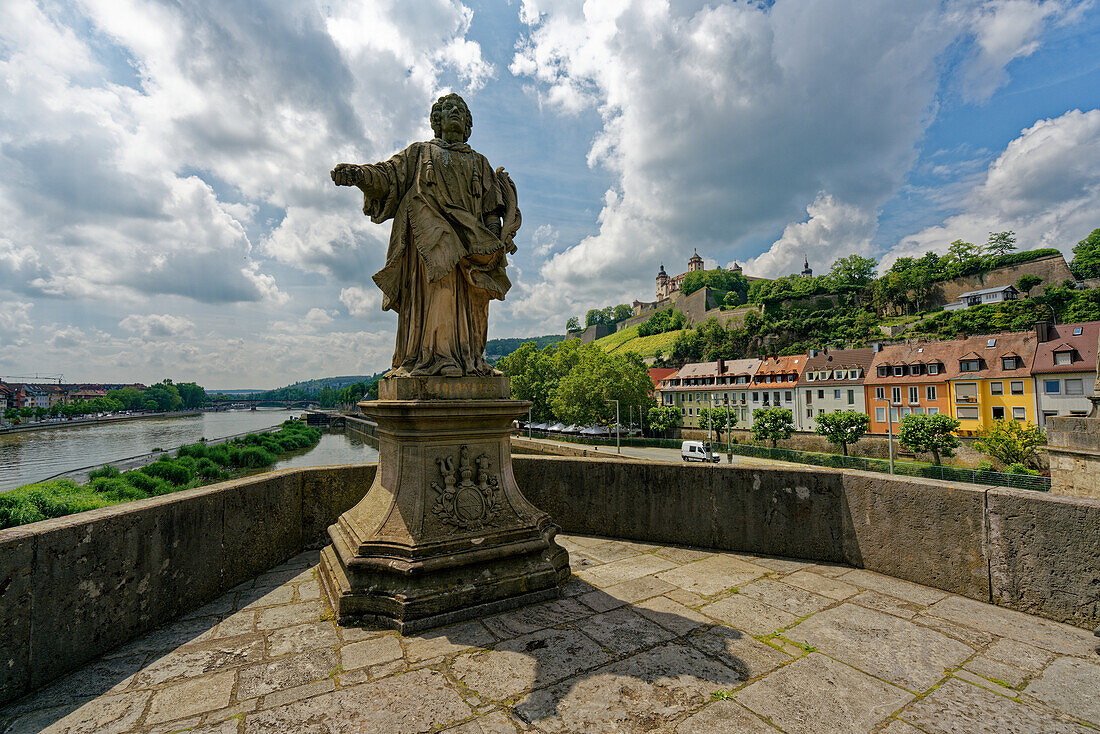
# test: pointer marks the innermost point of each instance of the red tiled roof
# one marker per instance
(1061, 339)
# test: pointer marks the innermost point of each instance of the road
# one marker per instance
(666, 455)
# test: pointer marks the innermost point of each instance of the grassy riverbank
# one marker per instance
(193, 466)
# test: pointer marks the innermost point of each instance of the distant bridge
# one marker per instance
(252, 404)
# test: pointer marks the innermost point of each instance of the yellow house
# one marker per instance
(993, 380)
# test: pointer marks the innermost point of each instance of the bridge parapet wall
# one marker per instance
(74, 588)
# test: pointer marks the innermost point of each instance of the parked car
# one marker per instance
(698, 451)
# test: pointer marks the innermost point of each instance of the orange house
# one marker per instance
(909, 379)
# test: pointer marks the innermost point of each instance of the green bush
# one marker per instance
(196, 450)
(1020, 469)
(254, 457)
(152, 486)
(170, 471)
(106, 471)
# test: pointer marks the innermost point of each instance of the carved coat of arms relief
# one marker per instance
(465, 500)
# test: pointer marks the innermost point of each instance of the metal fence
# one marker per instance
(837, 461)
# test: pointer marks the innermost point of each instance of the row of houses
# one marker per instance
(37, 395)
(1024, 376)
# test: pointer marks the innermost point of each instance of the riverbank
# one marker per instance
(75, 422)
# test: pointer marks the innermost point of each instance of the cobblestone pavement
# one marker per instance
(647, 639)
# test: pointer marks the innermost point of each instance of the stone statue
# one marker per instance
(454, 219)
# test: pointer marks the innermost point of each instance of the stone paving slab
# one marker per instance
(647, 638)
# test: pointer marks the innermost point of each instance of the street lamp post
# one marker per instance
(890, 430)
(729, 437)
(529, 424)
(618, 447)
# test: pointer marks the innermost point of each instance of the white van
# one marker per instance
(698, 451)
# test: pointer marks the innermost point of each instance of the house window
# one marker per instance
(969, 365)
(851, 397)
(1075, 387)
(933, 369)
(1016, 387)
(914, 369)
(880, 393)
(810, 376)
(1077, 331)
(776, 395)
(1052, 387)
(895, 395)
(966, 392)
(933, 411)
(1010, 363)
(1063, 357)
(820, 394)
(998, 413)
(787, 396)
(899, 371)
(1019, 414)
(809, 412)
(809, 397)
(930, 392)
(914, 394)
(880, 415)
(836, 394)
(883, 371)
(756, 397)
(966, 414)
(996, 388)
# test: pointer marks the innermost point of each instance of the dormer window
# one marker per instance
(933, 369)
(811, 376)
(915, 369)
(969, 365)
(883, 371)
(899, 370)
(1063, 357)
(1010, 363)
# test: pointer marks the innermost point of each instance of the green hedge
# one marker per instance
(194, 465)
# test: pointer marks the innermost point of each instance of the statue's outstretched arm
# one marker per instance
(370, 178)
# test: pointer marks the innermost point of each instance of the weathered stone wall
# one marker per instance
(75, 587)
(1024, 550)
(1073, 445)
(1053, 270)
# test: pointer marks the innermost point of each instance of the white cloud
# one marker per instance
(157, 326)
(1045, 186)
(361, 301)
(834, 229)
(722, 124)
(545, 239)
(15, 322)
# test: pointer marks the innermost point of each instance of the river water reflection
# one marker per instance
(32, 456)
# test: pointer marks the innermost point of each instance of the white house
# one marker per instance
(983, 297)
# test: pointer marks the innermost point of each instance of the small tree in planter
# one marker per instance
(929, 434)
(772, 424)
(843, 427)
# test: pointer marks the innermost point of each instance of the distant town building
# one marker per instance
(832, 381)
(984, 296)
(807, 272)
(1065, 368)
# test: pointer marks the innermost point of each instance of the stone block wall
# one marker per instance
(76, 587)
(1073, 445)
(1053, 270)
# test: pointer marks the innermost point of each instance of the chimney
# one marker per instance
(1042, 330)
(721, 366)
(813, 353)
(876, 347)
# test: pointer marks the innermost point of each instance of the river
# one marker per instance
(32, 456)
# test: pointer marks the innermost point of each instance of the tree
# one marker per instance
(843, 427)
(585, 392)
(934, 434)
(594, 317)
(1086, 257)
(192, 395)
(130, 397)
(622, 312)
(573, 324)
(164, 397)
(1027, 281)
(663, 419)
(715, 418)
(853, 270)
(1000, 243)
(719, 280)
(1011, 442)
(772, 424)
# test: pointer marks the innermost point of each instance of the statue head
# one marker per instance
(437, 110)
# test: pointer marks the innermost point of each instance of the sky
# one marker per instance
(166, 208)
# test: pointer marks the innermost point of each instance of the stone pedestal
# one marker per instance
(443, 534)
(1073, 444)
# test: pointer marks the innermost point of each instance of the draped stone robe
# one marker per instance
(445, 260)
